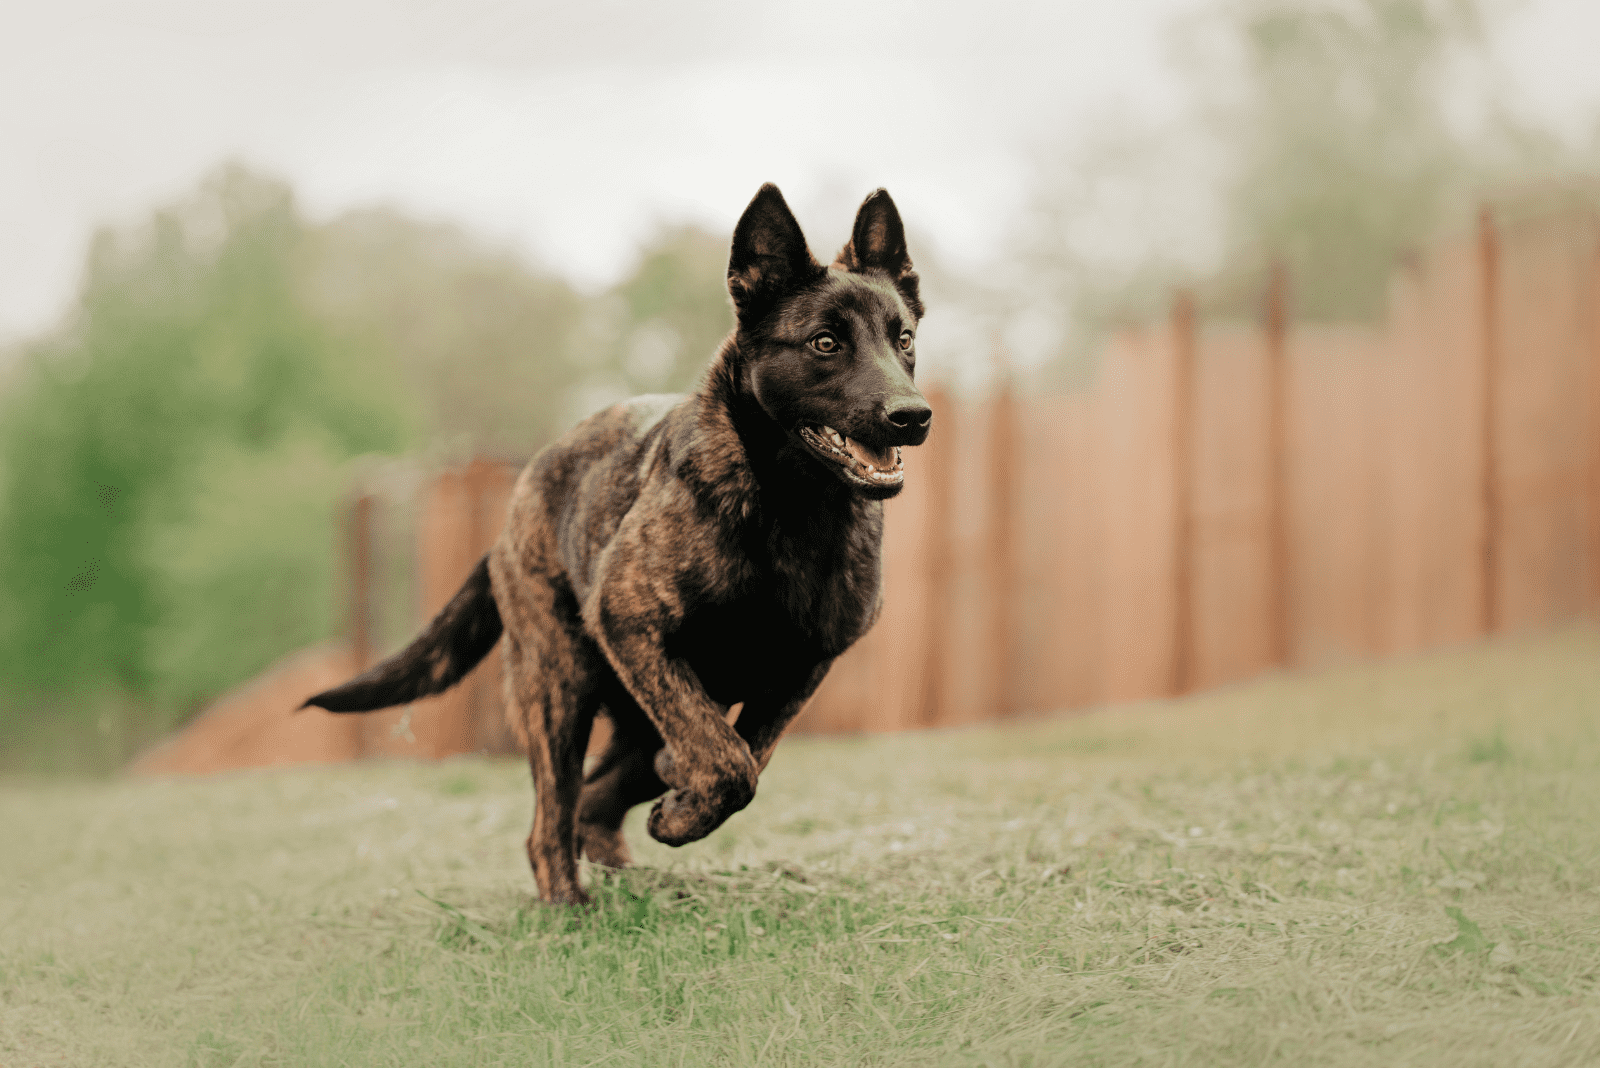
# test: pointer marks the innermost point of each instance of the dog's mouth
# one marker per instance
(860, 463)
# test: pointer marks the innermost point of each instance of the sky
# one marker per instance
(570, 132)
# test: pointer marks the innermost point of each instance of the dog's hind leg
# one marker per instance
(625, 776)
(553, 689)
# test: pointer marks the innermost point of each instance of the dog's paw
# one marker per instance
(683, 816)
(678, 818)
(604, 846)
(570, 896)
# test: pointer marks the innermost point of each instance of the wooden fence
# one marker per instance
(1227, 498)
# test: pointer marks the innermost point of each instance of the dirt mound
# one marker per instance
(257, 725)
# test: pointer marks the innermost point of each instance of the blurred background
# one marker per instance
(1263, 333)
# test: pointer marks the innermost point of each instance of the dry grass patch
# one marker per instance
(1389, 865)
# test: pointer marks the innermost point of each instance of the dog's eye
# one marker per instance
(825, 343)
(906, 338)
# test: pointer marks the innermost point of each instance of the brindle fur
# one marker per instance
(673, 556)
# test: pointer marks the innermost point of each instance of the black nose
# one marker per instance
(906, 421)
(913, 415)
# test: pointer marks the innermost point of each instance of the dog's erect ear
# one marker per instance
(878, 240)
(878, 243)
(769, 255)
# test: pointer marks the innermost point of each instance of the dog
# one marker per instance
(673, 556)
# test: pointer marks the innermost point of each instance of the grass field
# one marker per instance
(1394, 865)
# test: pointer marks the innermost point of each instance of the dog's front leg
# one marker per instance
(705, 761)
(766, 715)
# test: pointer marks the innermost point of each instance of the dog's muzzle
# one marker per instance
(863, 464)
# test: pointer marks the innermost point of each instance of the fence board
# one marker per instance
(1545, 423)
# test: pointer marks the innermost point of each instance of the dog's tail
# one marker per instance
(458, 637)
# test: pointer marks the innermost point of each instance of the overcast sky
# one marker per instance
(570, 131)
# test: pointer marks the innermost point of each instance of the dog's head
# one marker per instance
(829, 352)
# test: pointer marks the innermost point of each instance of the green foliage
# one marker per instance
(245, 572)
(487, 348)
(1469, 936)
(1489, 749)
(191, 350)
(677, 310)
(501, 356)
(655, 331)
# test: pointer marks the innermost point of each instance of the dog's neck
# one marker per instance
(749, 467)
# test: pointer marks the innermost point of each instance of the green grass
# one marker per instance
(1394, 865)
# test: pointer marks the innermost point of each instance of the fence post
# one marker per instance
(359, 614)
(1489, 489)
(459, 711)
(1279, 640)
(938, 456)
(1593, 324)
(484, 714)
(998, 526)
(1182, 445)
(360, 619)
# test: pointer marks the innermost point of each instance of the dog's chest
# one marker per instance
(811, 603)
(740, 647)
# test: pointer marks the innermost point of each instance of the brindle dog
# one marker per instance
(673, 556)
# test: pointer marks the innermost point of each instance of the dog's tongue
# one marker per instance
(882, 459)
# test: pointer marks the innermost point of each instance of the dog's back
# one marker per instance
(582, 484)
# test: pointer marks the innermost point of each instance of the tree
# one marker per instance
(190, 348)
(488, 347)
(677, 310)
